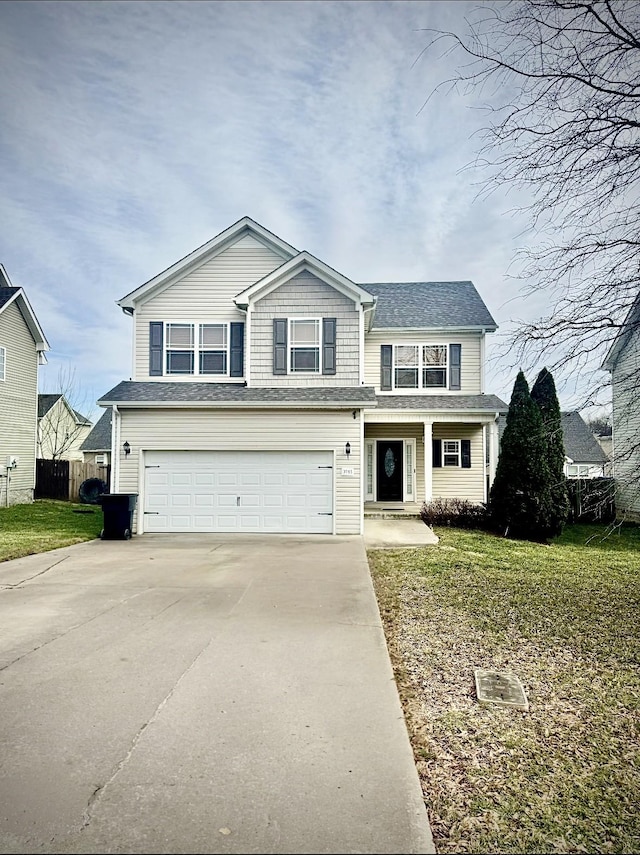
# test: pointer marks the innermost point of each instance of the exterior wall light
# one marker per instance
(347, 449)
(127, 449)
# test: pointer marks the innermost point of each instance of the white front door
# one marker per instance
(243, 491)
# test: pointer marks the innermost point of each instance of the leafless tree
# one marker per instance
(64, 423)
(560, 81)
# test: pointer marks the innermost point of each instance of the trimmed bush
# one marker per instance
(457, 513)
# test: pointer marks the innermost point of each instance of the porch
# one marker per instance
(392, 510)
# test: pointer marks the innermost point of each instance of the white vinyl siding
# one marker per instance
(471, 367)
(305, 296)
(448, 482)
(454, 482)
(206, 294)
(249, 430)
(626, 429)
(18, 405)
(3, 362)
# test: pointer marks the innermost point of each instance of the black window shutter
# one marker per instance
(155, 348)
(328, 345)
(385, 366)
(465, 453)
(455, 359)
(236, 349)
(436, 445)
(279, 345)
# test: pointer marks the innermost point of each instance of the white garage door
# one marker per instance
(250, 491)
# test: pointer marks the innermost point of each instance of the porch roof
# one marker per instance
(433, 404)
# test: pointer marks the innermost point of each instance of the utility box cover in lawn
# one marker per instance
(500, 689)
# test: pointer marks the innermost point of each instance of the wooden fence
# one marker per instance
(61, 479)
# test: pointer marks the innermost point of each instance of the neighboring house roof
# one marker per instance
(208, 250)
(580, 445)
(46, 402)
(8, 295)
(429, 305)
(630, 323)
(475, 403)
(234, 395)
(99, 438)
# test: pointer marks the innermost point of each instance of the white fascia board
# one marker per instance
(20, 299)
(206, 252)
(237, 405)
(621, 339)
(304, 261)
(440, 329)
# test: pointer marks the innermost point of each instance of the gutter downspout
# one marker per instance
(115, 445)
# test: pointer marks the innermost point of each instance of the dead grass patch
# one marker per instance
(564, 776)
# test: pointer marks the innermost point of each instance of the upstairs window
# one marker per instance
(197, 349)
(3, 362)
(213, 348)
(304, 345)
(180, 349)
(420, 366)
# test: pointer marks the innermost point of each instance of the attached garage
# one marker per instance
(239, 491)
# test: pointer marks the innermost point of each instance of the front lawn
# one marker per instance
(564, 776)
(45, 525)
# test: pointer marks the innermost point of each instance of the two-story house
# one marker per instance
(22, 350)
(273, 394)
(61, 428)
(623, 362)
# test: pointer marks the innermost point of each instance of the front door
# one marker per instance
(389, 470)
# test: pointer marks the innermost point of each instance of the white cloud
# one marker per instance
(134, 132)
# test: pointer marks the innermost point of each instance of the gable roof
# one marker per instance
(46, 402)
(630, 323)
(426, 305)
(580, 445)
(99, 438)
(10, 294)
(244, 226)
(301, 262)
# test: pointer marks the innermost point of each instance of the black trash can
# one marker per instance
(117, 511)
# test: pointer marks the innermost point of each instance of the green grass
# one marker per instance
(45, 525)
(565, 776)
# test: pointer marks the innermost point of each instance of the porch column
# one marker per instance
(428, 460)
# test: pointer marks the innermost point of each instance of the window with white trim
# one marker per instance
(451, 452)
(304, 345)
(201, 349)
(420, 366)
(575, 470)
(3, 362)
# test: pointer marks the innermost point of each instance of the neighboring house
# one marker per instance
(61, 429)
(623, 363)
(96, 448)
(270, 393)
(584, 455)
(22, 350)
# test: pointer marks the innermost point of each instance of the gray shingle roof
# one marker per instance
(485, 403)
(99, 438)
(227, 393)
(45, 402)
(429, 304)
(579, 443)
(6, 293)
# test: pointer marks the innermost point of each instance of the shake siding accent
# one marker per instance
(291, 430)
(471, 368)
(626, 429)
(205, 294)
(305, 296)
(18, 397)
(456, 483)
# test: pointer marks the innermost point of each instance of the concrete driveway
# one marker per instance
(187, 693)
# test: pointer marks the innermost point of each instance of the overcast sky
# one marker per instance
(133, 132)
